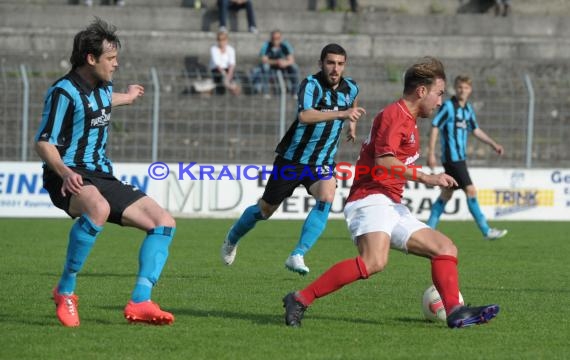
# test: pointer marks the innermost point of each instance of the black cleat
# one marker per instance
(294, 310)
(465, 316)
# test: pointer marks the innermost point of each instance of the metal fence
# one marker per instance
(174, 123)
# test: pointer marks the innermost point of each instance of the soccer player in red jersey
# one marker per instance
(375, 215)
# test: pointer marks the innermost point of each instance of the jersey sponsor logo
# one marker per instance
(412, 159)
(330, 110)
(102, 120)
(461, 124)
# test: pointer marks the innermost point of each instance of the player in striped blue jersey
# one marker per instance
(78, 175)
(455, 120)
(326, 101)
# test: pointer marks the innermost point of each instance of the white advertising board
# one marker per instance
(224, 191)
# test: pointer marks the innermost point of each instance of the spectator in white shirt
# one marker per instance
(223, 64)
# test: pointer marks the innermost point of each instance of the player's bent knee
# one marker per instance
(471, 191)
(374, 265)
(99, 211)
(167, 220)
(447, 249)
(446, 194)
(266, 214)
(267, 209)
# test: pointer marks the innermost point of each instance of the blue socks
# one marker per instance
(475, 211)
(473, 205)
(313, 227)
(152, 257)
(436, 211)
(81, 239)
(245, 223)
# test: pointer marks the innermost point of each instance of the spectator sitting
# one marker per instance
(277, 54)
(235, 5)
(222, 65)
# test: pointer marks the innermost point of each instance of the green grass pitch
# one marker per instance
(236, 312)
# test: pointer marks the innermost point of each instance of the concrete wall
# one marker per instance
(418, 7)
(156, 31)
(176, 18)
(160, 43)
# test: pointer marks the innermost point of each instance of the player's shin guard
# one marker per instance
(436, 211)
(81, 239)
(152, 257)
(475, 211)
(445, 278)
(245, 223)
(339, 275)
(313, 227)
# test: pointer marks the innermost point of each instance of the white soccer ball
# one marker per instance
(432, 305)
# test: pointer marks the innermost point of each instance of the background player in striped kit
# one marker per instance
(78, 176)
(325, 101)
(455, 120)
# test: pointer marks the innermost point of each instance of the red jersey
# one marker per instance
(394, 132)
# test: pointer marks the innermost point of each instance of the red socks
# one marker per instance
(445, 279)
(340, 274)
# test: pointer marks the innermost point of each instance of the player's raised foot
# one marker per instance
(296, 263)
(464, 316)
(294, 310)
(147, 312)
(494, 234)
(66, 308)
(228, 252)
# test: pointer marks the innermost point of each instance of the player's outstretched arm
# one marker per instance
(133, 92)
(72, 181)
(351, 130)
(482, 136)
(312, 116)
(432, 162)
(397, 169)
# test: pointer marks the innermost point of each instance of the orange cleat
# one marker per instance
(147, 312)
(66, 308)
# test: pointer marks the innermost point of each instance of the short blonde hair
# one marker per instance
(463, 79)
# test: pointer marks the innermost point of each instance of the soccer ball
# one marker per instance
(432, 305)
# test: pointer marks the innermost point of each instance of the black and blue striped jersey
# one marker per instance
(76, 120)
(454, 123)
(317, 144)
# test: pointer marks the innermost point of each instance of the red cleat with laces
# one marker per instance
(66, 308)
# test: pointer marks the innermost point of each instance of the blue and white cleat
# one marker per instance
(494, 234)
(464, 316)
(296, 263)
(228, 252)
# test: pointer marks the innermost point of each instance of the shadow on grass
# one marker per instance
(519, 290)
(256, 318)
(52, 321)
(43, 321)
(128, 275)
